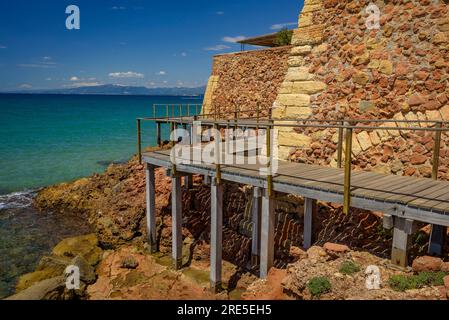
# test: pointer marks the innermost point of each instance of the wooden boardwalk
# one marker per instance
(403, 200)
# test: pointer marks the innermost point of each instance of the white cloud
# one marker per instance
(74, 79)
(220, 13)
(3, 47)
(183, 54)
(47, 58)
(161, 73)
(233, 39)
(25, 86)
(82, 84)
(218, 47)
(128, 74)
(48, 79)
(280, 26)
(118, 8)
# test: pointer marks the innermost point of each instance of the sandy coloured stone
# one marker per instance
(440, 38)
(356, 148)
(297, 100)
(295, 61)
(308, 87)
(433, 115)
(294, 139)
(297, 112)
(360, 78)
(374, 64)
(444, 111)
(301, 50)
(284, 152)
(386, 67)
(364, 140)
(362, 59)
(375, 140)
(298, 74)
(308, 35)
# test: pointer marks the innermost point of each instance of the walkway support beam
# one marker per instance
(151, 207)
(176, 203)
(255, 222)
(267, 234)
(216, 235)
(309, 208)
(403, 228)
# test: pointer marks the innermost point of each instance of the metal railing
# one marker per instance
(343, 127)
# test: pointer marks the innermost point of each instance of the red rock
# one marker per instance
(336, 247)
(416, 100)
(422, 75)
(418, 159)
(402, 69)
(445, 267)
(410, 171)
(427, 263)
(446, 282)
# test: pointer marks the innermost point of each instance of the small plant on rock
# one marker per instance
(420, 280)
(318, 286)
(283, 38)
(349, 267)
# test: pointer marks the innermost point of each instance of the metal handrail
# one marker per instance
(348, 125)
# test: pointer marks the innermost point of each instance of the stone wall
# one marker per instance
(338, 68)
(244, 80)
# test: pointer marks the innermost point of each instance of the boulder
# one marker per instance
(334, 247)
(85, 246)
(52, 288)
(316, 252)
(427, 263)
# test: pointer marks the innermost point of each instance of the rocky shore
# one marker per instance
(115, 263)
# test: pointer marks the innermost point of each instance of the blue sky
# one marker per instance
(151, 43)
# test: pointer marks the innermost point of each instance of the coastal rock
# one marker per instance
(334, 247)
(49, 289)
(427, 263)
(84, 246)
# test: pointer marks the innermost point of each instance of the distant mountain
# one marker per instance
(112, 89)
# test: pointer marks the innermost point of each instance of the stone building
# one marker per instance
(337, 67)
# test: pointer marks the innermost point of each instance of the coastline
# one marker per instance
(113, 203)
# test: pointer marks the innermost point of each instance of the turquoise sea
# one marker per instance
(46, 139)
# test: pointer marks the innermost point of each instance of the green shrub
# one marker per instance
(349, 267)
(283, 38)
(420, 280)
(319, 285)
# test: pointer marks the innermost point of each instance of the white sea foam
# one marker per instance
(22, 199)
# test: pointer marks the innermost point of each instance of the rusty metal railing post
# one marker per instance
(340, 145)
(436, 152)
(269, 156)
(158, 134)
(180, 111)
(217, 140)
(154, 111)
(347, 178)
(188, 110)
(139, 141)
